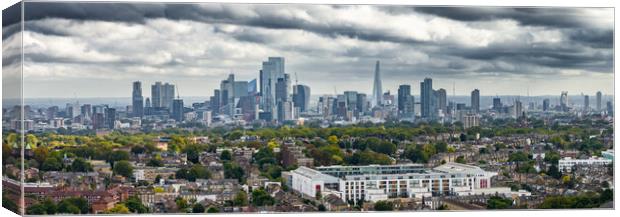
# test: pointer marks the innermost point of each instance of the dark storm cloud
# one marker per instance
(593, 37)
(124, 12)
(229, 14)
(12, 14)
(550, 16)
(562, 57)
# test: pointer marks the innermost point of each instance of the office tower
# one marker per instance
(177, 110)
(340, 106)
(137, 103)
(99, 109)
(206, 118)
(497, 104)
(427, 100)
(148, 109)
(599, 100)
(240, 89)
(162, 95)
(377, 90)
(518, 109)
(610, 109)
(322, 106)
(285, 111)
(475, 101)
(388, 99)
(98, 121)
(461, 107)
(586, 103)
(86, 111)
(247, 104)
(72, 110)
(301, 97)
(405, 101)
(51, 112)
(252, 87)
(272, 70)
(350, 97)
(362, 103)
(545, 104)
(227, 90)
(282, 89)
(470, 120)
(110, 118)
(215, 102)
(442, 100)
(564, 101)
(404, 91)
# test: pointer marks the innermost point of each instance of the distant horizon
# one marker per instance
(486, 100)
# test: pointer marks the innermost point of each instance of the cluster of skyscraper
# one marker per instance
(161, 103)
(273, 101)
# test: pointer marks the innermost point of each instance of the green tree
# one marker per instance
(198, 171)
(36, 209)
(261, 198)
(198, 208)
(50, 207)
(118, 155)
(123, 168)
(213, 210)
(118, 209)
(226, 155)
(233, 171)
(182, 204)
(383, 205)
(40, 154)
(460, 159)
(51, 164)
(332, 140)
(496, 202)
(554, 172)
(241, 199)
(80, 165)
(134, 204)
(73, 205)
(441, 147)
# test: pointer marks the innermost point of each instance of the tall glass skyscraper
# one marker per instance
(475, 101)
(162, 95)
(301, 97)
(377, 91)
(427, 100)
(137, 101)
(273, 69)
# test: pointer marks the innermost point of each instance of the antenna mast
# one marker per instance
(296, 78)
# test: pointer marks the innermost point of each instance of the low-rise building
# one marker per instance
(567, 164)
(378, 182)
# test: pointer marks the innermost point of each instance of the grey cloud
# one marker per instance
(266, 26)
(540, 16)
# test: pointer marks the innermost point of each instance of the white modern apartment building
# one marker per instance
(378, 182)
(567, 164)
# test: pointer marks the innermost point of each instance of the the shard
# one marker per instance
(377, 90)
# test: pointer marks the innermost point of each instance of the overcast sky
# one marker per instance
(98, 49)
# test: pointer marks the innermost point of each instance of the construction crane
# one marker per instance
(295, 78)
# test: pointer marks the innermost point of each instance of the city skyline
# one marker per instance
(196, 51)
